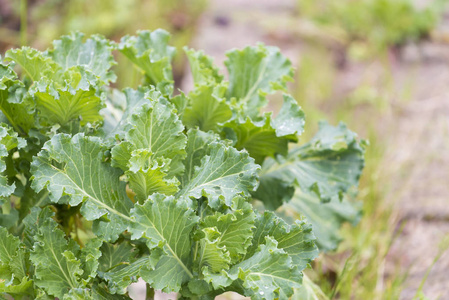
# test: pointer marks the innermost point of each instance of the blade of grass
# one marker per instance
(442, 247)
(23, 22)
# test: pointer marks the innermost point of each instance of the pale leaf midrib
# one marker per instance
(88, 195)
(166, 245)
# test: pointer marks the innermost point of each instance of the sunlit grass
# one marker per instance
(363, 274)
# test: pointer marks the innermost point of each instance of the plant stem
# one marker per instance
(150, 292)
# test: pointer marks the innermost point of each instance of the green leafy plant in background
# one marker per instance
(379, 24)
(49, 19)
(195, 193)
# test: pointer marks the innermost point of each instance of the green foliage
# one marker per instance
(98, 192)
(43, 21)
(379, 23)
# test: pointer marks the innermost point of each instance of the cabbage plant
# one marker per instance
(197, 193)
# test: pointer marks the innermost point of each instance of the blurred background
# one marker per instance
(381, 66)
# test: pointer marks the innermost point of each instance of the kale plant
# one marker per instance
(100, 187)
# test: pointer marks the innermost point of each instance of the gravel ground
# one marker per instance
(420, 143)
